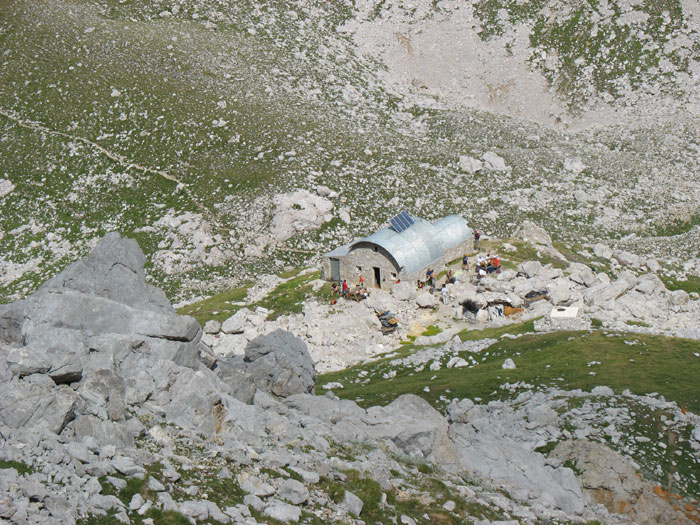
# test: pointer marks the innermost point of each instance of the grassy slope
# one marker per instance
(567, 360)
(280, 83)
(561, 359)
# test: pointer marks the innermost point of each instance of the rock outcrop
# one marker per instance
(101, 380)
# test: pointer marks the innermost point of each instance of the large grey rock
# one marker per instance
(105, 432)
(650, 284)
(279, 363)
(582, 274)
(494, 162)
(197, 510)
(325, 408)
(426, 300)
(603, 251)
(253, 485)
(610, 479)
(414, 426)
(37, 405)
(352, 503)
(403, 291)
(103, 390)
(628, 259)
(679, 297)
(532, 233)
(469, 164)
(283, 512)
(242, 322)
(525, 474)
(604, 293)
(232, 371)
(60, 362)
(530, 268)
(293, 491)
(194, 400)
(101, 296)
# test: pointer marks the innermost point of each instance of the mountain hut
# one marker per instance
(403, 250)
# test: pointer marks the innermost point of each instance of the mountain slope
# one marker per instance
(176, 122)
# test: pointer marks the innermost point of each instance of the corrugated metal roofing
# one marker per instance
(341, 251)
(418, 246)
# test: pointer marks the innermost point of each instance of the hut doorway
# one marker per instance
(335, 270)
(377, 278)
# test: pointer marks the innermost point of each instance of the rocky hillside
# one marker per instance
(114, 410)
(233, 139)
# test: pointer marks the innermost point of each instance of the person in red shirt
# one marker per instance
(345, 287)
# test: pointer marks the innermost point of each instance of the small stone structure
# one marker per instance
(388, 255)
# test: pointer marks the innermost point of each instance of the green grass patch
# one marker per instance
(219, 307)
(526, 252)
(561, 359)
(495, 332)
(431, 330)
(678, 226)
(690, 284)
(20, 466)
(637, 323)
(286, 298)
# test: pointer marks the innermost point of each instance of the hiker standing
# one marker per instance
(430, 277)
(477, 236)
(443, 293)
(465, 262)
(362, 281)
(345, 288)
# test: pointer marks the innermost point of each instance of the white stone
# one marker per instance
(6, 187)
(494, 162)
(508, 364)
(574, 165)
(469, 164)
(602, 251)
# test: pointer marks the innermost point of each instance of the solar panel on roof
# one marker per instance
(401, 222)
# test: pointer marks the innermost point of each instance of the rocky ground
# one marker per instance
(112, 403)
(625, 294)
(280, 131)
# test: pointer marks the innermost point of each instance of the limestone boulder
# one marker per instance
(533, 234)
(678, 297)
(414, 426)
(38, 404)
(101, 296)
(523, 473)
(469, 164)
(582, 274)
(530, 268)
(279, 363)
(626, 258)
(604, 292)
(602, 251)
(494, 162)
(244, 321)
(403, 291)
(59, 361)
(650, 284)
(426, 300)
(610, 479)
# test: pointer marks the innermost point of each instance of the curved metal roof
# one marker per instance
(421, 244)
(453, 230)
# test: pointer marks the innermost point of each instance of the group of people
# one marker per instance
(430, 280)
(486, 265)
(343, 289)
